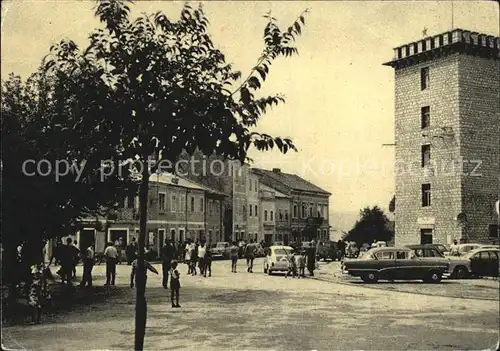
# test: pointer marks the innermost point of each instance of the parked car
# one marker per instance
(328, 251)
(220, 250)
(276, 259)
(463, 249)
(458, 267)
(391, 263)
(484, 262)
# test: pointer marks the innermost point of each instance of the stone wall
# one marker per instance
(480, 142)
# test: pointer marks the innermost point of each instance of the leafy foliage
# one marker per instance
(372, 225)
(157, 87)
(35, 127)
(392, 204)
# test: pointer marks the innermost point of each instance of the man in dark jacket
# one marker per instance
(167, 254)
(311, 258)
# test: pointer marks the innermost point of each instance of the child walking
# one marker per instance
(175, 284)
(292, 266)
(301, 263)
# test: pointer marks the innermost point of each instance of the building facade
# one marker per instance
(178, 209)
(267, 215)
(253, 205)
(308, 203)
(447, 122)
(239, 199)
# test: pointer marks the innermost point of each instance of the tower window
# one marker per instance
(425, 114)
(426, 155)
(424, 78)
(426, 195)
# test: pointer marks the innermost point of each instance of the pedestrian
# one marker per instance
(119, 248)
(167, 254)
(292, 266)
(180, 251)
(301, 264)
(88, 265)
(208, 263)
(39, 294)
(202, 257)
(76, 258)
(250, 255)
(311, 258)
(133, 274)
(130, 252)
(454, 249)
(68, 253)
(175, 284)
(56, 253)
(111, 255)
(194, 257)
(234, 251)
(187, 257)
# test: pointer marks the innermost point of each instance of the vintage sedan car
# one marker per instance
(276, 259)
(463, 249)
(459, 267)
(484, 262)
(393, 263)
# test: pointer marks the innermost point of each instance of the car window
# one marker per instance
(419, 253)
(402, 255)
(385, 255)
(484, 255)
(494, 255)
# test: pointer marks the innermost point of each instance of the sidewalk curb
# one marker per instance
(401, 292)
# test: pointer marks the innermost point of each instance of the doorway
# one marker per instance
(426, 236)
(161, 235)
(115, 234)
(87, 238)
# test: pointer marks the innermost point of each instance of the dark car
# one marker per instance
(484, 262)
(391, 263)
(458, 267)
(328, 251)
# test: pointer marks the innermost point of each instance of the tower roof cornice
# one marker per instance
(454, 41)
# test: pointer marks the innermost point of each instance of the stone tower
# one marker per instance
(447, 135)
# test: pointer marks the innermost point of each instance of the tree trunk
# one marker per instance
(140, 302)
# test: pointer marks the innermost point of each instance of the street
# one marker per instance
(245, 311)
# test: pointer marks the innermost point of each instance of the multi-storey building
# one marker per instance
(267, 215)
(253, 204)
(239, 196)
(308, 204)
(447, 122)
(178, 209)
(276, 205)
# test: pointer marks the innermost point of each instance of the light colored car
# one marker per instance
(276, 259)
(463, 249)
(220, 250)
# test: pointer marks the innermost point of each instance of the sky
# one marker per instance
(340, 99)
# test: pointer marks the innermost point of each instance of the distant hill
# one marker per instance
(342, 221)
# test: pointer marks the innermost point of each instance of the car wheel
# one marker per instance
(460, 272)
(433, 277)
(371, 277)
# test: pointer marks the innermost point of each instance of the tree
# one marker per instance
(372, 225)
(150, 88)
(51, 201)
(392, 204)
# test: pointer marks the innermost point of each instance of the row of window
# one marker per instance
(253, 211)
(178, 204)
(309, 211)
(253, 185)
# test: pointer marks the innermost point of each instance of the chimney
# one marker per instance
(276, 170)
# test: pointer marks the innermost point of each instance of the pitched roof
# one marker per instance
(167, 178)
(292, 181)
(276, 192)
